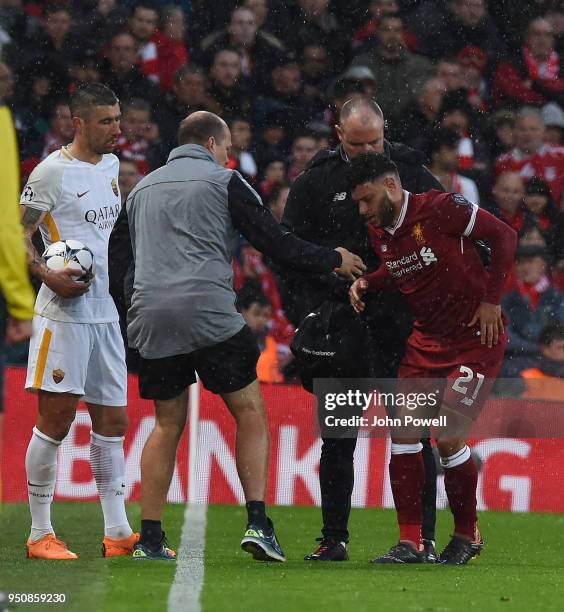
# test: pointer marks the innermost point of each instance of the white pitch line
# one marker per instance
(188, 582)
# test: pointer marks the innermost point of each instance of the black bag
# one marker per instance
(332, 342)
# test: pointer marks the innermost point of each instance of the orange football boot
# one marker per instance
(49, 547)
(119, 548)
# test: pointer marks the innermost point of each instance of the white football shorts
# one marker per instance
(86, 359)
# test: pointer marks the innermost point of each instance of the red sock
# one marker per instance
(460, 484)
(407, 476)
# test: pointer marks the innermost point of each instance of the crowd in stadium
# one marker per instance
(477, 86)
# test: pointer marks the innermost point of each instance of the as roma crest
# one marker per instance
(58, 375)
(115, 187)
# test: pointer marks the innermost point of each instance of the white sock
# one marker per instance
(406, 449)
(41, 468)
(108, 466)
(457, 459)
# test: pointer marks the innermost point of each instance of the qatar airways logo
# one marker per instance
(411, 263)
(103, 217)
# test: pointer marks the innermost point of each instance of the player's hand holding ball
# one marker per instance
(70, 268)
(356, 292)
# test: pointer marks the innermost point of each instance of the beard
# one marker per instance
(386, 212)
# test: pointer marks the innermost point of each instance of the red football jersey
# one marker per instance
(430, 258)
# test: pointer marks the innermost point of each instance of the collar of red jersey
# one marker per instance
(403, 211)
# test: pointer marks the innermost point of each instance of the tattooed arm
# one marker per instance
(59, 281)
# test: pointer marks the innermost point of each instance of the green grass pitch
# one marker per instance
(521, 568)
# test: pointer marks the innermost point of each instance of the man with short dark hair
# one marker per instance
(320, 209)
(121, 73)
(140, 140)
(182, 318)
(61, 129)
(425, 243)
(143, 23)
(259, 51)
(77, 350)
(397, 71)
(226, 82)
(189, 94)
(545, 381)
(533, 304)
(443, 164)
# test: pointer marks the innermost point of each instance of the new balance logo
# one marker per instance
(427, 255)
(339, 197)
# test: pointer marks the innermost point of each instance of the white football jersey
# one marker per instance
(83, 202)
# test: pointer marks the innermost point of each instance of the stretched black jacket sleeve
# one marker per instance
(260, 228)
(300, 214)
(299, 211)
(121, 265)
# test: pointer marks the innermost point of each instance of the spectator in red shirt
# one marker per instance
(257, 312)
(274, 175)
(252, 268)
(143, 24)
(443, 165)
(474, 62)
(538, 202)
(508, 192)
(459, 115)
(171, 48)
(531, 156)
(365, 36)
(537, 75)
(139, 140)
(533, 305)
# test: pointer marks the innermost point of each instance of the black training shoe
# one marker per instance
(329, 550)
(401, 553)
(142, 552)
(262, 545)
(459, 550)
(429, 550)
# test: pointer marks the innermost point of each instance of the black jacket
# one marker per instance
(320, 209)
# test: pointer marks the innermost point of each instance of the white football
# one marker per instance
(71, 254)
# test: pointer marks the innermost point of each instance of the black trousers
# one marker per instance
(336, 477)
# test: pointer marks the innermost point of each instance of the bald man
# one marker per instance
(184, 221)
(320, 209)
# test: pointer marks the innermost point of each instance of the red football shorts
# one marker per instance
(467, 372)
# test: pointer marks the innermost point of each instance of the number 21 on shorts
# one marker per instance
(464, 384)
